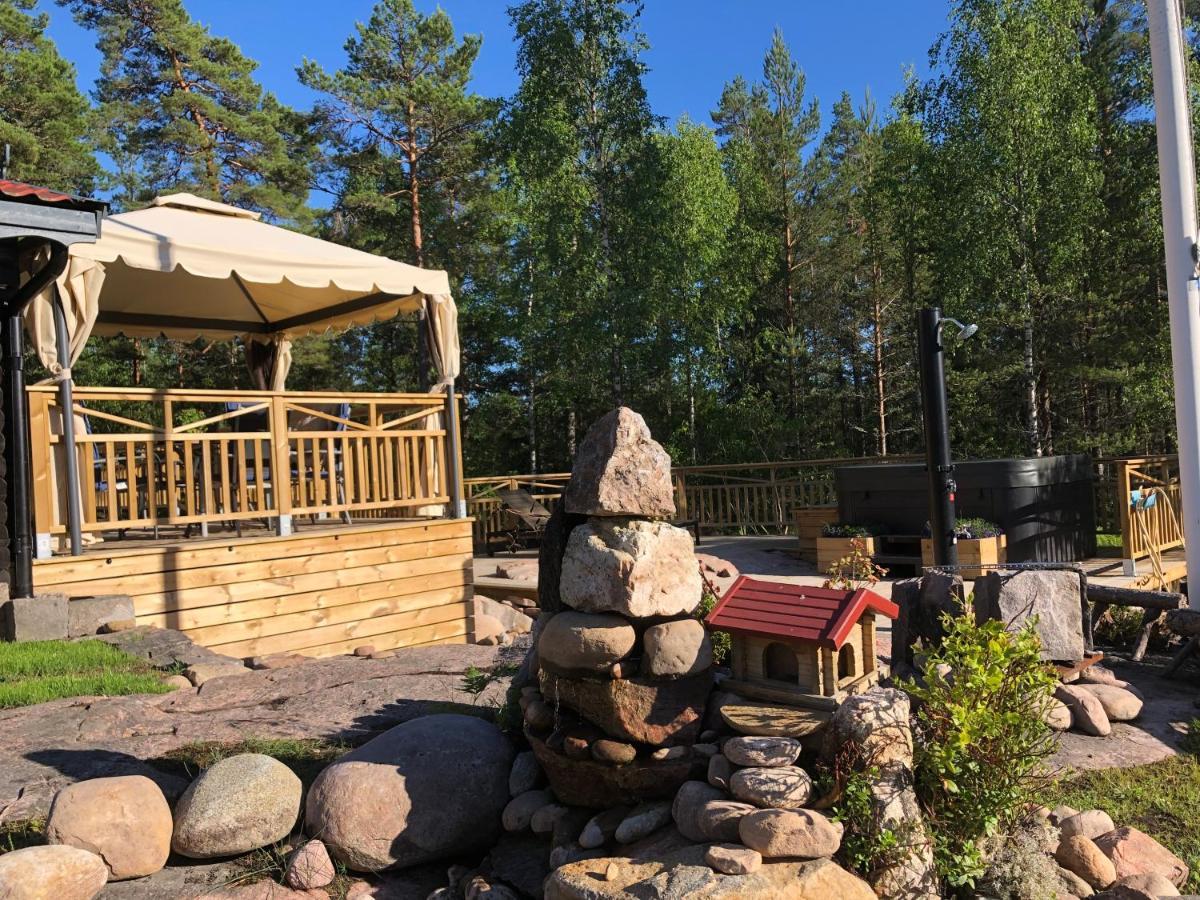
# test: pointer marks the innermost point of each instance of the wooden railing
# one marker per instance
(1163, 528)
(752, 498)
(177, 457)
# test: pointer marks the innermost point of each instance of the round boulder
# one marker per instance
(761, 751)
(685, 809)
(1087, 713)
(585, 642)
(781, 787)
(1081, 855)
(801, 833)
(125, 820)
(681, 647)
(53, 872)
(309, 867)
(1090, 823)
(236, 805)
(421, 791)
(1120, 705)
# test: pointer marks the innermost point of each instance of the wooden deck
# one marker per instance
(1110, 570)
(320, 592)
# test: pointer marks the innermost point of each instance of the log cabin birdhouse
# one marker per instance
(799, 645)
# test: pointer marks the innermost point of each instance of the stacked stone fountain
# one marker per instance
(623, 666)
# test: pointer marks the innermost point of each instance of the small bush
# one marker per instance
(854, 571)
(720, 639)
(980, 744)
(972, 529)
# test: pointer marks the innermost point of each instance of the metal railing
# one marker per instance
(149, 457)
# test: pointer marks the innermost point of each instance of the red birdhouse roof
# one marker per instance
(795, 611)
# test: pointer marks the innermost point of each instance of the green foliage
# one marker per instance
(844, 530)
(721, 641)
(180, 110)
(975, 528)
(475, 680)
(304, 756)
(37, 671)
(980, 742)
(43, 116)
(867, 847)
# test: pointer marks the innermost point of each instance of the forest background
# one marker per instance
(748, 283)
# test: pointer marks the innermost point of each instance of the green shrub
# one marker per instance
(867, 847)
(980, 744)
(720, 639)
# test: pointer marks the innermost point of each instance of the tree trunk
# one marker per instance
(418, 239)
(789, 309)
(571, 435)
(691, 396)
(881, 442)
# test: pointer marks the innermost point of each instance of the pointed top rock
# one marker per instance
(620, 470)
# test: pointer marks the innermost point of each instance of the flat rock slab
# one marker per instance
(343, 698)
(774, 721)
(1154, 735)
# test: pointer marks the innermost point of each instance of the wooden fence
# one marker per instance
(1155, 527)
(758, 498)
(751, 498)
(150, 457)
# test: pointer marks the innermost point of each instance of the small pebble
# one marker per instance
(364, 651)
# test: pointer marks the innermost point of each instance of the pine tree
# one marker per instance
(181, 111)
(400, 125)
(43, 116)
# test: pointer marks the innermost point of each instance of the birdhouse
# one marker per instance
(799, 645)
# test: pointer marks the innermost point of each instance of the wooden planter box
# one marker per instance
(973, 554)
(831, 549)
(810, 520)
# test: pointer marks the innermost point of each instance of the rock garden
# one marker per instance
(598, 750)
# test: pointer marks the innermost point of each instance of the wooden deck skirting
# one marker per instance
(389, 584)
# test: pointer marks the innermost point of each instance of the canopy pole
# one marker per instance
(1177, 179)
(66, 404)
(17, 451)
(458, 505)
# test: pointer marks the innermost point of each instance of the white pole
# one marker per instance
(1177, 179)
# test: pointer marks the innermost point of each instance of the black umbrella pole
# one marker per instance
(937, 437)
(17, 459)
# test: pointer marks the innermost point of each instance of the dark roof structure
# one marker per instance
(27, 211)
(795, 611)
(19, 190)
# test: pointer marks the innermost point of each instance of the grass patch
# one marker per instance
(304, 756)
(1160, 799)
(37, 671)
(18, 835)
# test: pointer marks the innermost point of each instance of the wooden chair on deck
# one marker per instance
(526, 516)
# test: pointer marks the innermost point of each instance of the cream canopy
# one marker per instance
(187, 267)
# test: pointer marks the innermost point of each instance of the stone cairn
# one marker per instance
(637, 799)
(624, 667)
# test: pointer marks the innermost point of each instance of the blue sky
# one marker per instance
(696, 46)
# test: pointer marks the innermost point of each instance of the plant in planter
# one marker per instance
(980, 544)
(837, 541)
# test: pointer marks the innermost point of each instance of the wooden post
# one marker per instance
(681, 503)
(870, 654)
(281, 463)
(1123, 491)
(829, 672)
(44, 486)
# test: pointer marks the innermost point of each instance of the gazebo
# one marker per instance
(343, 510)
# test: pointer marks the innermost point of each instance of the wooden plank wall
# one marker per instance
(394, 584)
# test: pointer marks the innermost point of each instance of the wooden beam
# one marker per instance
(1125, 596)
